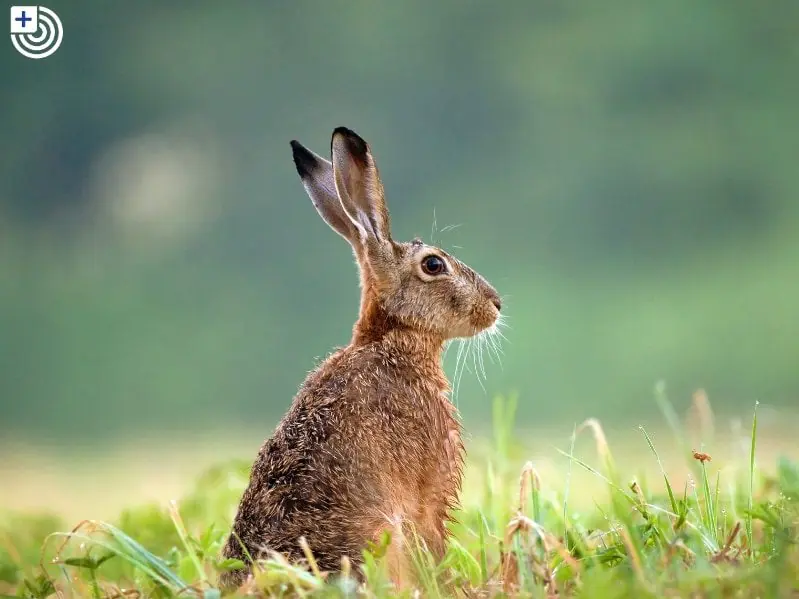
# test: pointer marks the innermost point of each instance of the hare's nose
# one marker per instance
(495, 300)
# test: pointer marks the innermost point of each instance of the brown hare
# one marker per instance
(371, 442)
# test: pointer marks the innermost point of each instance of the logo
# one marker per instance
(36, 31)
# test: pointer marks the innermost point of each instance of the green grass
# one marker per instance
(725, 533)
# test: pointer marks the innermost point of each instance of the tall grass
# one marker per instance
(523, 539)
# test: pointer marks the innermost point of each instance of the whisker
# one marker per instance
(476, 366)
(497, 337)
(495, 346)
(487, 344)
(499, 325)
(467, 349)
(480, 345)
(459, 365)
(476, 356)
(491, 346)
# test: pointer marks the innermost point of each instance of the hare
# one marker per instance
(371, 442)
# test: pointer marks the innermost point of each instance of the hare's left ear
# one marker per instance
(359, 187)
(316, 174)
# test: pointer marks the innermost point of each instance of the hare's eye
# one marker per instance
(433, 265)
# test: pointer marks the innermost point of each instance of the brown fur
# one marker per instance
(371, 441)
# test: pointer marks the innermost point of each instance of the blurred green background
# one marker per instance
(624, 173)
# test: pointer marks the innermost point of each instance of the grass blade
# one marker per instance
(672, 500)
(751, 483)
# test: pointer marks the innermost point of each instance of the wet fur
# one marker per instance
(371, 442)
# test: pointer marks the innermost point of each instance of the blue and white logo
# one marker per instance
(36, 31)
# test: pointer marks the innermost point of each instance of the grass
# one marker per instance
(720, 532)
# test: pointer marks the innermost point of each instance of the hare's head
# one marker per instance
(409, 285)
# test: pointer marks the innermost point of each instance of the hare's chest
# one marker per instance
(440, 482)
(442, 476)
(423, 473)
(450, 461)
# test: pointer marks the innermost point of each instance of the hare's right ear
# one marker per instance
(316, 174)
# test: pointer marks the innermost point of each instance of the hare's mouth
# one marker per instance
(485, 318)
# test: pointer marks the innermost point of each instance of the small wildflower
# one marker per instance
(702, 457)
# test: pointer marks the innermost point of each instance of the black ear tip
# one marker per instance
(345, 131)
(304, 159)
(355, 143)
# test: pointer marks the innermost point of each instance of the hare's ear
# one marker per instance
(316, 174)
(359, 187)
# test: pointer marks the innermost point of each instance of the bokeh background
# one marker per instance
(624, 173)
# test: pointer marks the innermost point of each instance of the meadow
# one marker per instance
(677, 521)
